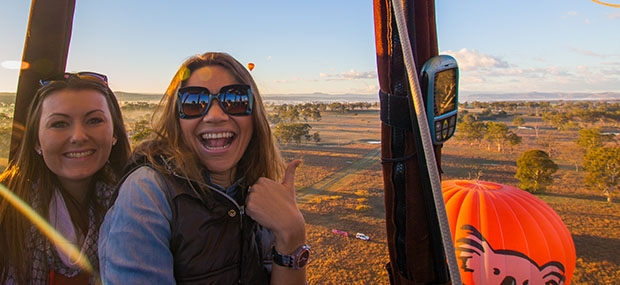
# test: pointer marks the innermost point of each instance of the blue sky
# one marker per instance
(328, 46)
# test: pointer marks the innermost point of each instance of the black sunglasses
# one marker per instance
(194, 101)
(82, 75)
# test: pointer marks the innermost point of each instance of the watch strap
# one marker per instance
(297, 260)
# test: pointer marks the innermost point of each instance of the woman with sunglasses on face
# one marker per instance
(210, 200)
(73, 152)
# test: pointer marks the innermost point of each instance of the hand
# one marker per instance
(274, 205)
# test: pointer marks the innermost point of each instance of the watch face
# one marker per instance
(295, 261)
(303, 258)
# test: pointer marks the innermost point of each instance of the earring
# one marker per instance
(39, 151)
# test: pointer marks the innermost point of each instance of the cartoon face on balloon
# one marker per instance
(505, 235)
(497, 266)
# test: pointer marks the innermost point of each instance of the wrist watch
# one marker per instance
(297, 260)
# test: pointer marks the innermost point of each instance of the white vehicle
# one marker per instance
(362, 236)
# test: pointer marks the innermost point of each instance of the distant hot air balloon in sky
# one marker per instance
(250, 66)
(505, 235)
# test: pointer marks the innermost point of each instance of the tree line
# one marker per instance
(291, 123)
(595, 150)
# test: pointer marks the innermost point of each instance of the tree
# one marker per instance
(316, 137)
(310, 111)
(140, 130)
(290, 115)
(471, 130)
(499, 134)
(559, 120)
(603, 167)
(291, 132)
(587, 116)
(513, 140)
(592, 138)
(518, 121)
(535, 170)
(337, 107)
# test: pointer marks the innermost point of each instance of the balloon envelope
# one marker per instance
(250, 66)
(504, 234)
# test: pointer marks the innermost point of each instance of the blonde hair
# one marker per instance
(262, 157)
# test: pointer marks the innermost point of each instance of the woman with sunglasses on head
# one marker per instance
(210, 200)
(72, 153)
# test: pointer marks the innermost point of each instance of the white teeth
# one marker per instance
(216, 147)
(217, 141)
(80, 154)
(210, 136)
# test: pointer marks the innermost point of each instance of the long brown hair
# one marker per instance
(28, 173)
(262, 157)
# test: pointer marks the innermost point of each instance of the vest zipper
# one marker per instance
(240, 209)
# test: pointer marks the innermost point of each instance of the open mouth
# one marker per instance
(79, 154)
(216, 141)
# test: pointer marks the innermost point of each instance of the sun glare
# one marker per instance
(606, 3)
(61, 242)
(14, 64)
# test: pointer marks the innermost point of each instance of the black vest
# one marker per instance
(213, 240)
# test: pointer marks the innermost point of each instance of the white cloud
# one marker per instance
(583, 69)
(368, 89)
(352, 75)
(473, 60)
(579, 78)
(349, 75)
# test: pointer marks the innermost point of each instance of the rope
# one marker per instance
(427, 144)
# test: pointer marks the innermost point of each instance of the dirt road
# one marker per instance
(334, 181)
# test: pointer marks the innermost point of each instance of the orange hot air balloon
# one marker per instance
(250, 66)
(505, 235)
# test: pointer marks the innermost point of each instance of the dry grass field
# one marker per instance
(340, 187)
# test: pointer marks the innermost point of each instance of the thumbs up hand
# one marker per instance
(274, 205)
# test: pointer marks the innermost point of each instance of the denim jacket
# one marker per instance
(162, 231)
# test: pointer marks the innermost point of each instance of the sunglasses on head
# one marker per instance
(81, 75)
(194, 101)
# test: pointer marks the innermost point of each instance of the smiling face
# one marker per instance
(75, 135)
(218, 139)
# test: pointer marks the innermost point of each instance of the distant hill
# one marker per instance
(8, 97)
(279, 99)
(126, 96)
(539, 96)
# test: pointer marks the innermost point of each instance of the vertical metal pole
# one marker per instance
(45, 53)
(414, 238)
